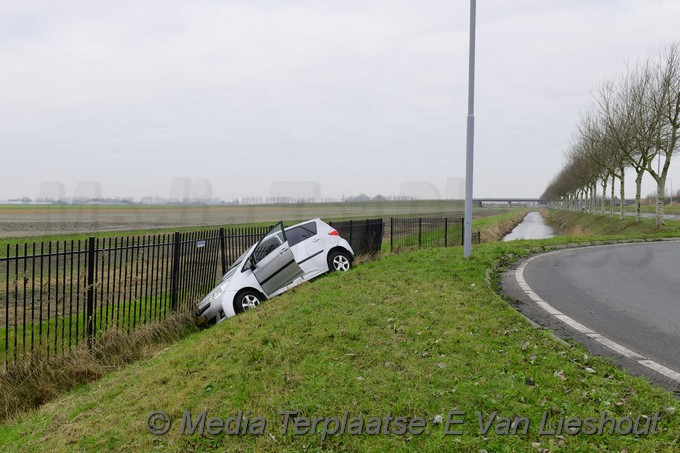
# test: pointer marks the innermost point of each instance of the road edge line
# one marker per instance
(609, 344)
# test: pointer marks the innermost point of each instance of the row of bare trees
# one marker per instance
(633, 120)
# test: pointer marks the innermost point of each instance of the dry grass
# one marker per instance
(36, 379)
(497, 231)
(365, 258)
(577, 231)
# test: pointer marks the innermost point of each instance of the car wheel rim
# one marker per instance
(340, 263)
(250, 301)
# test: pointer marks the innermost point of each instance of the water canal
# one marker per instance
(532, 227)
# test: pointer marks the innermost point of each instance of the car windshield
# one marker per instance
(235, 264)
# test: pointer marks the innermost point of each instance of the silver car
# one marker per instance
(282, 259)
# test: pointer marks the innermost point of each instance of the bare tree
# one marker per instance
(635, 119)
(628, 122)
(601, 150)
(664, 115)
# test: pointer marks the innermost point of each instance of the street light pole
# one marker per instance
(469, 155)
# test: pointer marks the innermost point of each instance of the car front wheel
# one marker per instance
(246, 300)
(339, 261)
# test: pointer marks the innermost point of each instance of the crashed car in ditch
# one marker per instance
(281, 260)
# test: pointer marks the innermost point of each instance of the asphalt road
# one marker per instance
(627, 293)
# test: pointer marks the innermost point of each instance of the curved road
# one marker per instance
(626, 296)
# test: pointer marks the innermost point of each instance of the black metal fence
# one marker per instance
(427, 232)
(57, 295)
(364, 236)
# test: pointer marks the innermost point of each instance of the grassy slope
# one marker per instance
(416, 334)
(577, 225)
(651, 208)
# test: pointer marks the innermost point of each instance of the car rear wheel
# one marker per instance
(246, 300)
(339, 261)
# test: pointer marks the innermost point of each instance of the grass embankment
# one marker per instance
(416, 334)
(33, 380)
(65, 330)
(497, 227)
(589, 226)
(29, 385)
(651, 208)
(490, 228)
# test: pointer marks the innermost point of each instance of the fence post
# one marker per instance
(446, 231)
(89, 309)
(366, 234)
(223, 251)
(175, 270)
(350, 233)
(462, 231)
(420, 232)
(366, 238)
(391, 232)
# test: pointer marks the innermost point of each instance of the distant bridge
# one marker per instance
(509, 201)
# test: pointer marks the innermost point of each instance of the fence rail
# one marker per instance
(57, 295)
(364, 236)
(427, 232)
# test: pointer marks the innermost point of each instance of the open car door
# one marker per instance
(272, 261)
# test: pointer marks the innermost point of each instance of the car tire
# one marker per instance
(339, 261)
(245, 300)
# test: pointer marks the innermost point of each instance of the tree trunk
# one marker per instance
(638, 195)
(593, 197)
(611, 200)
(660, 189)
(584, 204)
(604, 193)
(622, 192)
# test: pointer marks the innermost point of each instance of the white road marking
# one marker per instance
(614, 346)
(661, 369)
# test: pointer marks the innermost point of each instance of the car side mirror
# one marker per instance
(252, 263)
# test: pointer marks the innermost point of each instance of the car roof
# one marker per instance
(317, 219)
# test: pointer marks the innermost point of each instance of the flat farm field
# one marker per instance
(21, 221)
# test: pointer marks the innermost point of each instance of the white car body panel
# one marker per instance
(310, 254)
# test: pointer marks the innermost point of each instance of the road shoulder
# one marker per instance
(522, 298)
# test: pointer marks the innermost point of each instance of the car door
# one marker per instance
(272, 262)
(316, 252)
(307, 248)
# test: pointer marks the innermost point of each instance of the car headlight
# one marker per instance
(217, 292)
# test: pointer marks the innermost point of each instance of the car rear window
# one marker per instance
(299, 233)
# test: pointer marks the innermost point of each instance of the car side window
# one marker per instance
(268, 244)
(300, 233)
(266, 247)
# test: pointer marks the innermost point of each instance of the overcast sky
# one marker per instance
(357, 96)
